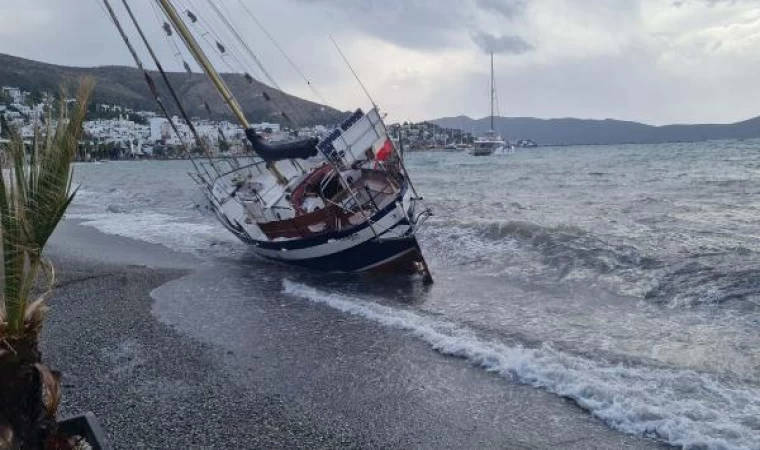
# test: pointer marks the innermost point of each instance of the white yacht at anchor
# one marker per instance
(491, 143)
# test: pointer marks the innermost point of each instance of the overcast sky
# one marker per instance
(656, 61)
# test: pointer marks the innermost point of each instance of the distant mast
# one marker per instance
(493, 89)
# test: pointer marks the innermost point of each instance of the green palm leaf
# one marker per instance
(34, 195)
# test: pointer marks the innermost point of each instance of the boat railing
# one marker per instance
(258, 164)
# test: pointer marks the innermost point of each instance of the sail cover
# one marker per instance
(303, 149)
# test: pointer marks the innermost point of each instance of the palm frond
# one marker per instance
(34, 195)
(51, 383)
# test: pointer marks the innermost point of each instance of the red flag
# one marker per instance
(385, 151)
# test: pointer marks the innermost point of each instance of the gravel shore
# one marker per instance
(149, 386)
(270, 373)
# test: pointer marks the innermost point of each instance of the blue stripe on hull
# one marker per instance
(359, 257)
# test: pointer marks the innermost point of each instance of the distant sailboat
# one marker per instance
(490, 143)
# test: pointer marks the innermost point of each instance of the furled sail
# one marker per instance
(303, 149)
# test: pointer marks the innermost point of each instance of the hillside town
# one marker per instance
(427, 135)
(117, 132)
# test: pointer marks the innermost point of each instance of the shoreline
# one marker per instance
(148, 385)
(305, 376)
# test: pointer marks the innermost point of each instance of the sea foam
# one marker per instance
(180, 234)
(681, 407)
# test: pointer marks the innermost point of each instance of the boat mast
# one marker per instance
(154, 91)
(493, 88)
(208, 68)
(200, 57)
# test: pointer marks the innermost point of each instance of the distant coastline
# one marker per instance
(569, 131)
(124, 86)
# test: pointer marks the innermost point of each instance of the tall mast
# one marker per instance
(168, 84)
(216, 80)
(492, 92)
(200, 57)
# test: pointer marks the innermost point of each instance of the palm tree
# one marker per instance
(34, 193)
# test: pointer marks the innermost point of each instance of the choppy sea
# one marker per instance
(626, 278)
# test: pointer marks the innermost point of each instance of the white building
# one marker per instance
(15, 94)
(266, 127)
(147, 115)
(159, 129)
(119, 131)
(209, 131)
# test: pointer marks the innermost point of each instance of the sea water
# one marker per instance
(623, 277)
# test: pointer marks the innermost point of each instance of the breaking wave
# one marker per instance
(147, 217)
(559, 252)
(564, 247)
(696, 283)
(682, 408)
(571, 253)
(199, 236)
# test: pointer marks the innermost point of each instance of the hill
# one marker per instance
(570, 131)
(126, 86)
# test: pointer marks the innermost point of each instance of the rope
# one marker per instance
(172, 91)
(350, 67)
(114, 19)
(170, 39)
(207, 30)
(230, 26)
(281, 50)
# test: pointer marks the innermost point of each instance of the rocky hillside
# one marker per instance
(126, 86)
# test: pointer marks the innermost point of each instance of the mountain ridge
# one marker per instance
(125, 86)
(574, 131)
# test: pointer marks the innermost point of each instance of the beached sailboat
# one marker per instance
(490, 143)
(343, 203)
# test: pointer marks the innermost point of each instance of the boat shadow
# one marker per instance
(385, 288)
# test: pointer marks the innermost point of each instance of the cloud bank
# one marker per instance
(649, 60)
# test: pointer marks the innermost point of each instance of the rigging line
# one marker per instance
(295, 67)
(171, 13)
(280, 104)
(385, 129)
(244, 45)
(170, 39)
(171, 89)
(403, 166)
(364, 88)
(242, 67)
(114, 18)
(498, 106)
(219, 84)
(260, 65)
(229, 49)
(205, 33)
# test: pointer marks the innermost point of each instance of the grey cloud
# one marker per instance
(507, 8)
(710, 3)
(416, 24)
(490, 43)
(431, 24)
(546, 86)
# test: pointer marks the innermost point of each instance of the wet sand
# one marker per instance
(174, 373)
